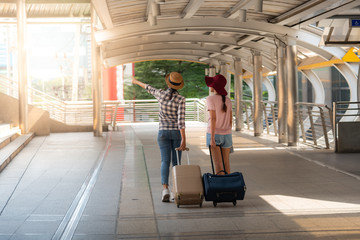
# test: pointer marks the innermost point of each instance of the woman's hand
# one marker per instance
(182, 146)
(137, 82)
(212, 142)
(134, 81)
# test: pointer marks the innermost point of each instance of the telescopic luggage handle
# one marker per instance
(222, 157)
(177, 155)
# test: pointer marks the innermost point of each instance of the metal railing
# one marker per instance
(270, 116)
(316, 127)
(81, 113)
(9, 87)
(148, 110)
(315, 122)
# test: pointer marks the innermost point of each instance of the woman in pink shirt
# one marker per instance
(219, 130)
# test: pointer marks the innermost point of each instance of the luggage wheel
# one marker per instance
(178, 205)
(234, 203)
(200, 204)
(214, 203)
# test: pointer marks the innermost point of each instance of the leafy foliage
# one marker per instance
(154, 72)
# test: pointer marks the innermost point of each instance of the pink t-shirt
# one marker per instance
(223, 125)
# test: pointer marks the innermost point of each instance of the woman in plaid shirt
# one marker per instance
(171, 124)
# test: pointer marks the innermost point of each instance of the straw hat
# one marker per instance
(218, 83)
(174, 80)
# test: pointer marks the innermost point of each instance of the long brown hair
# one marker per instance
(224, 108)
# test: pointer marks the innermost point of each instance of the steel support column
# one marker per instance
(224, 72)
(96, 80)
(292, 82)
(257, 73)
(212, 73)
(281, 93)
(238, 95)
(22, 66)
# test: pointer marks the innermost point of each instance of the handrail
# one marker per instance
(315, 122)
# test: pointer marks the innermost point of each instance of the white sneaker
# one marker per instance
(165, 195)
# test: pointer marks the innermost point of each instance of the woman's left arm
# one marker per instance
(183, 140)
(137, 82)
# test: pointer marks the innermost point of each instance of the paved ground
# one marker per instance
(76, 186)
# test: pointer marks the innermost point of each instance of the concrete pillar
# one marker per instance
(257, 75)
(238, 94)
(224, 72)
(212, 73)
(22, 65)
(292, 82)
(281, 93)
(96, 80)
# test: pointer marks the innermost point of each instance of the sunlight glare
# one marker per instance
(290, 205)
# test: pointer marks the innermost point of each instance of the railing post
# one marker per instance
(273, 119)
(252, 114)
(313, 131)
(324, 128)
(335, 126)
(247, 116)
(301, 124)
(266, 119)
(115, 116)
(134, 113)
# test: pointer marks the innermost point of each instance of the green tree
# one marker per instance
(154, 72)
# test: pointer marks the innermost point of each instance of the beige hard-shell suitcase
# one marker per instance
(188, 185)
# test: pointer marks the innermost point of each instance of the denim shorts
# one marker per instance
(225, 141)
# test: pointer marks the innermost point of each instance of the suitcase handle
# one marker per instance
(212, 163)
(177, 155)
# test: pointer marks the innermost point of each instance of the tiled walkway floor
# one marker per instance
(81, 187)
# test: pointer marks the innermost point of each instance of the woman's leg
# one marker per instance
(175, 143)
(226, 154)
(218, 164)
(165, 151)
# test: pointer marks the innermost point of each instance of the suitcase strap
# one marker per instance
(212, 163)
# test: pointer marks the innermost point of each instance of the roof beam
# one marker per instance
(56, 1)
(332, 12)
(191, 8)
(128, 43)
(308, 8)
(102, 11)
(211, 51)
(208, 24)
(242, 4)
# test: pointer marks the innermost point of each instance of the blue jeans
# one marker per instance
(168, 140)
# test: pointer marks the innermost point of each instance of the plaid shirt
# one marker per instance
(171, 111)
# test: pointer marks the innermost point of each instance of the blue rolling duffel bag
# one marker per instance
(223, 188)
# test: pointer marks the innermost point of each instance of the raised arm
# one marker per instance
(137, 82)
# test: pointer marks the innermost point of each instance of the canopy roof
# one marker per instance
(209, 31)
